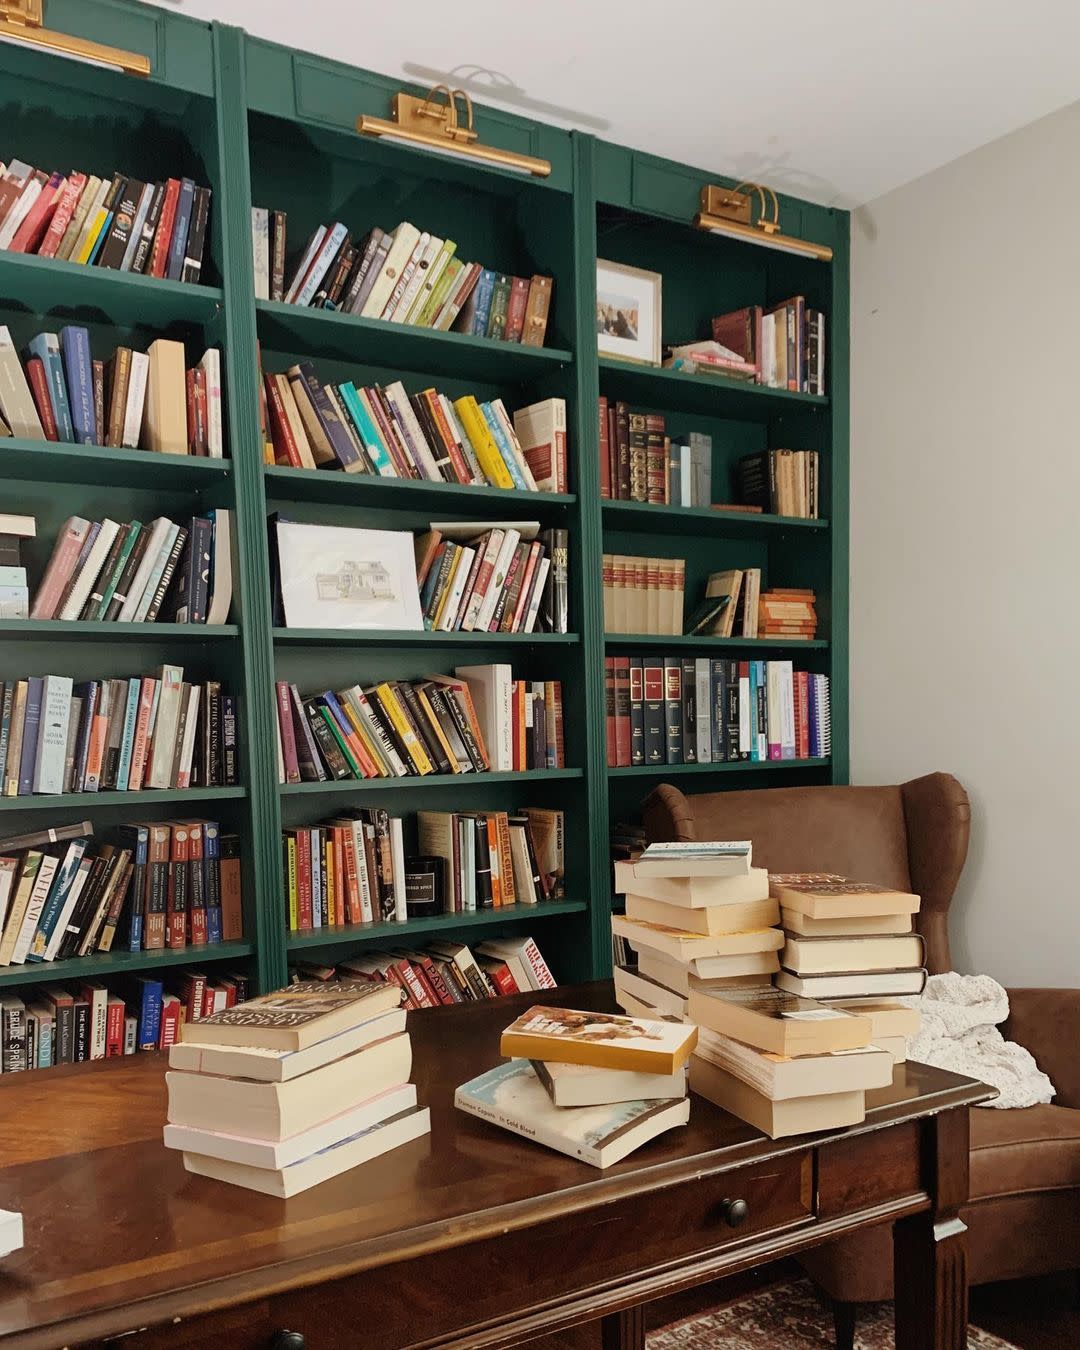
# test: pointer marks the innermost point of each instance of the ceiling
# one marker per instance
(838, 101)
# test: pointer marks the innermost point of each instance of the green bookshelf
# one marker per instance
(265, 125)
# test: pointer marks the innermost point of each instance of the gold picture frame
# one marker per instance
(628, 313)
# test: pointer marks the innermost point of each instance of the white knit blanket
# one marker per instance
(959, 1031)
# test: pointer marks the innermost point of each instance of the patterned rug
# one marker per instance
(789, 1317)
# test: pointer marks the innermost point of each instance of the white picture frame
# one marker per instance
(628, 312)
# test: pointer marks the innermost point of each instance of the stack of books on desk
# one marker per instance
(294, 1088)
(847, 939)
(593, 1085)
(698, 916)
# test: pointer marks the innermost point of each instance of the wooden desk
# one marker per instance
(469, 1238)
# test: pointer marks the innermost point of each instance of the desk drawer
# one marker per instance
(464, 1287)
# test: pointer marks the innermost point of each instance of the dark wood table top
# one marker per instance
(112, 1218)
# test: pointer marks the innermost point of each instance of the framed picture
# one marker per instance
(628, 312)
(337, 576)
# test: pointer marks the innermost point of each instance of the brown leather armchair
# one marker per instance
(1024, 1212)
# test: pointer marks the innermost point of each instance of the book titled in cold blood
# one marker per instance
(511, 1096)
(606, 1040)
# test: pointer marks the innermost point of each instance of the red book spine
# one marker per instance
(201, 443)
(352, 877)
(622, 711)
(288, 733)
(609, 711)
(170, 1021)
(207, 1000)
(502, 978)
(605, 452)
(39, 387)
(197, 931)
(159, 255)
(414, 985)
(802, 715)
(61, 217)
(515, 310)
(457, 459)
(303, 878)
(395, 976)
(114, 1028)
(177, 922)
(535, 551)
(31, 232)
(189, 390)
(435, 980)
(285, 447)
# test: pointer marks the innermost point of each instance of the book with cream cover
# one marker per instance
(511, 1096)
(585, 1085)
(778, 1120)
(680, 945)
(826, 895)
(294, 1017)
(774, 1020)
(607, 1040)
(841, 955)
(692, 892)
(884, 982)
(781, 1077)
(709, 920)
(747, 968)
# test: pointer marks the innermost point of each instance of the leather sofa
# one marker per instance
(1024, 1212)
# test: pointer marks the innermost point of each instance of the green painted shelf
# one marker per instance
(45, 286)
(49, 630)
(121, 963)
(428, 781)
(683, 640)
(348, 489)
(654, 519)
(48, 461)
(320, 332)
(437, 923)
(714, 396)
(88, 801)
(733, 766)
(396, 637)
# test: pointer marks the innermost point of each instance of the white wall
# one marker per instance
(965, 539)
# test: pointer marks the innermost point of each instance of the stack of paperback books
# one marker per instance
(593, 1085)
(149, 400)
(294, 1088)
(699, 916)
(402, 276)
(158, 229)
(847, 939)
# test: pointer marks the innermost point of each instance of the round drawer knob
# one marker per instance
(287, 1340)
(735, 1212)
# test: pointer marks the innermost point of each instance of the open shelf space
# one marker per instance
(337, 637)
(104, 964)
(347, 337)
(710, 643)
(651, 518)
(52, 461)
(49, 630)
(435, 923)
(87, 801)
(710, 395)
(528, 777)
(729, 766)
(314, 485)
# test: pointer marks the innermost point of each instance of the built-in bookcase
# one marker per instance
(267, 126)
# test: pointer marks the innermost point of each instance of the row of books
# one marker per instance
(490, 858)
(510, 578)
(69, 1023)
(643, 595)
(480, 719)
(382, 430)
(135, 572)
(157, 229)
(711, 710)
(406, 275)
(640, 462)
(141, 400)
(115, 735)
(745, 610)
(783, 482)
(444, 972)
(785, 344)
(146, 887)
(14, 590)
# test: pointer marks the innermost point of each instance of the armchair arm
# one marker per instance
(1047, 1023)
(938, 817)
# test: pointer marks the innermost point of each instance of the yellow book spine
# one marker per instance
(331, 885)
(83, 255)
(389, 700)
(366, 739)
(522, 1045)
(294, 917)
(483, 442)
(429, 713)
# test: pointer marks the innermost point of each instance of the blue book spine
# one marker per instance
(812, 718)
(31, 729)
(137, 838)
(45, 1045)
(761, 708)
(178, 243)
(78, 368)
(212, 875)
(46, 347)
(62, 884)
(485, 289)
(368, 431)
(505, 448)
(752, 692)
(127, 739)
(149, 1014)
(336, 434)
